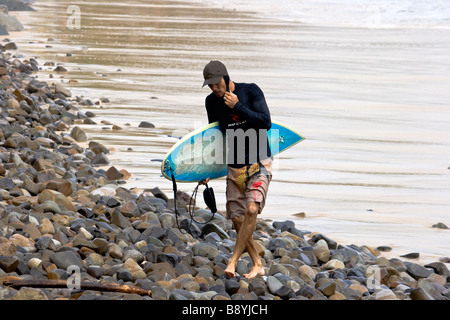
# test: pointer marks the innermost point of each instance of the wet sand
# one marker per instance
(371, 103)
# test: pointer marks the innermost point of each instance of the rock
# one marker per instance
(331, 243)
(129, 209)
(385, 294)
(307, 271)
(212, 227)
(115, 251)
(439, 268)
(34, 263)
(113, 174)
(273, 284)
(13, 5)
(59, 88)
(27, 293)
(65, 259)
(309, 292)
(60, 69)
(46, 226)
(20, 240)
(384, 248)
(45, 243)
(161, 271)
(10, 23)
(119, 220)
(413, 255)
(205, 249)
(95, 271)
(78, 134)
(50, 206)
(100, 160)
(328, 288)
(417, 271)
(284, 292)
(146, 124)
(231, 286)
(6, 183)
(440, 225)
(258, 286)
(322, 251)
(420, 294)
(9, 263)
(7, 248)
(158, 193)
(135, 270)
(278, 268)
(333, 264)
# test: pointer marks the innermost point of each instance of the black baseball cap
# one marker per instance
(213, 72)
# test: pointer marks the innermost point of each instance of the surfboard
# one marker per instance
(201, 153)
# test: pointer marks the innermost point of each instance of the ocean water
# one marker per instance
(347, 13)
(366, 82)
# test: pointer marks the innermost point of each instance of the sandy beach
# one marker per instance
(358, 211)
(370, 101)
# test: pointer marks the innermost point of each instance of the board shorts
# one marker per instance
(247, 184)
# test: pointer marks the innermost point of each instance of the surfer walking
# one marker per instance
(244, 117)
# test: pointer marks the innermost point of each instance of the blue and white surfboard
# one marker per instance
(201, 153)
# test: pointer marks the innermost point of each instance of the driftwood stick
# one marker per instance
(84, 285)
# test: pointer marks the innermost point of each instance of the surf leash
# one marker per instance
(208, 196)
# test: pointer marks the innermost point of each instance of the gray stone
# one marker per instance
(65, 259)
(231, 286)
(78, 134)
(119, 220)
(212, 227)
(274, 284)
(146, 124)
(158, 193)
(417, 271)
(50, 206)
(440, 268)
(440, 225)
(45, 243)
(205, 249)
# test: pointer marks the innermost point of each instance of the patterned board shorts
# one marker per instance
(249, 183)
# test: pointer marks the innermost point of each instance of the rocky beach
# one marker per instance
(71, 229)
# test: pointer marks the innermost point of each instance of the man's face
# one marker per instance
(219, 89)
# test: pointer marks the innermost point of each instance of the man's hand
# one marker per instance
(230, 99)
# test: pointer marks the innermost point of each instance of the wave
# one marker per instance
(347, 13)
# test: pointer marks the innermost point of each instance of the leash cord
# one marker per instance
(192, 202)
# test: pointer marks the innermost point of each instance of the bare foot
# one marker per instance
(230, 271)
(256, 271)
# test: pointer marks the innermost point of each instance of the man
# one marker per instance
(244, 117)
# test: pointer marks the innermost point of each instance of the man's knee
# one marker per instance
(237, 221)
(252, 209)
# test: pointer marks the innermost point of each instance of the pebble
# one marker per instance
(60, 209)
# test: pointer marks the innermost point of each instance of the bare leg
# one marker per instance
(245, 228)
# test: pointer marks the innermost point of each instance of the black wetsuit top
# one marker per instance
(245, 125)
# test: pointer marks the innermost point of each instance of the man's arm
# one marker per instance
(258, 114)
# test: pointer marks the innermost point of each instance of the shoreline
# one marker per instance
(321, 177)
(142, 227)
